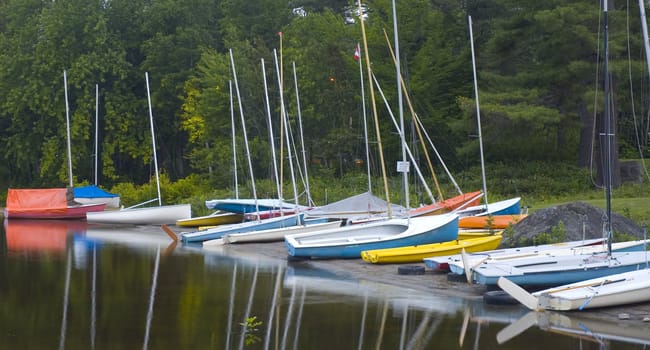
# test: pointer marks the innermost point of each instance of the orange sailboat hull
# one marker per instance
(489, 222)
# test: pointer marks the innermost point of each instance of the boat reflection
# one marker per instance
(420, 313)
(40, 236)
(583, 326)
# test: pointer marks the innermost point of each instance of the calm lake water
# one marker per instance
(67, 285)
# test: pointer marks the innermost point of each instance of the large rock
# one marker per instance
(580, 220)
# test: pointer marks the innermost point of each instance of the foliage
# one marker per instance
(250, 328)
(538, 66)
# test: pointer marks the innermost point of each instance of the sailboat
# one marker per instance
(218, 232)
(616, 286)
(137, 215)
(559, 270)
(414, 254)
(50, 203)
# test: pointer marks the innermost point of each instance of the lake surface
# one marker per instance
(69, 285)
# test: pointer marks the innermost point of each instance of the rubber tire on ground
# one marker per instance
(291, 258)
(410, 270)
(498, 297)
(456, 277)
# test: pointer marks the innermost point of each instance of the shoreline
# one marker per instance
(432, 282)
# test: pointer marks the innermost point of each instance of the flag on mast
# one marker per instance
(357, 55)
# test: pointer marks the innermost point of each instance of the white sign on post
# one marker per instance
(403, 167)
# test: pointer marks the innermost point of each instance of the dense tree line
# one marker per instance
(539, 77)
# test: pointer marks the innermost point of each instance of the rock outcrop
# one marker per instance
(580, 220)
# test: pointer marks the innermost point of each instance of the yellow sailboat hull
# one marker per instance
(417, 253)
(211, 220)
(477, 233)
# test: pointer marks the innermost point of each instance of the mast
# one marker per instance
(243, 123)
(67, 123)
(374, 112)
(608, 137)
(365, 123)
(310, 202)
(268, 112)
(234, 140)
(283, 113)
(644, 27)
(96, 131)
(478, 114)
(153, 140)
(404, 164)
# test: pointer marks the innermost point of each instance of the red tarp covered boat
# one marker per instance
(46, 203)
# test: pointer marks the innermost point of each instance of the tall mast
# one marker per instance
(234, 140)
(478, 114)
(67, 123)
(268, 113)
(374, 112)
(310, 202)
(243, 124)
(608, 137)
(96, 131)
(404, 169)
(153, 140)
(365, 123)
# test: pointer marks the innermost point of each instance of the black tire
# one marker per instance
(410, 270)
(291, 258)
(498, 297)
(456, 277)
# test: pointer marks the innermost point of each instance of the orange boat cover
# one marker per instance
(30, 200)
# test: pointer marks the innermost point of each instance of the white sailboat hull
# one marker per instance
(618, 289)
(278, 234)
(166, 214)
(111, 202)
(547, 251)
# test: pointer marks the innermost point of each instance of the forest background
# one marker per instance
(540, 82)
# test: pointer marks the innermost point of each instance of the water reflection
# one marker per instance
(580, 326)
(131, 287)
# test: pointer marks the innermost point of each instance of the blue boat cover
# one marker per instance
(92, 191)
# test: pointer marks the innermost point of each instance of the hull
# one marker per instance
(111, 202)
(417, 253)
(612, 290)
(467, 233)
(166, 214)
(450, 204)
(267, 214)
(349, 241)
(243, 206)
(92, 194)
(455, 261)
(71, 212)
(553, 271)
(507, 207)
(489, 221)
(210, 220)
(248, 226)
(630, 246)
(45, 203)
(275, 235)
